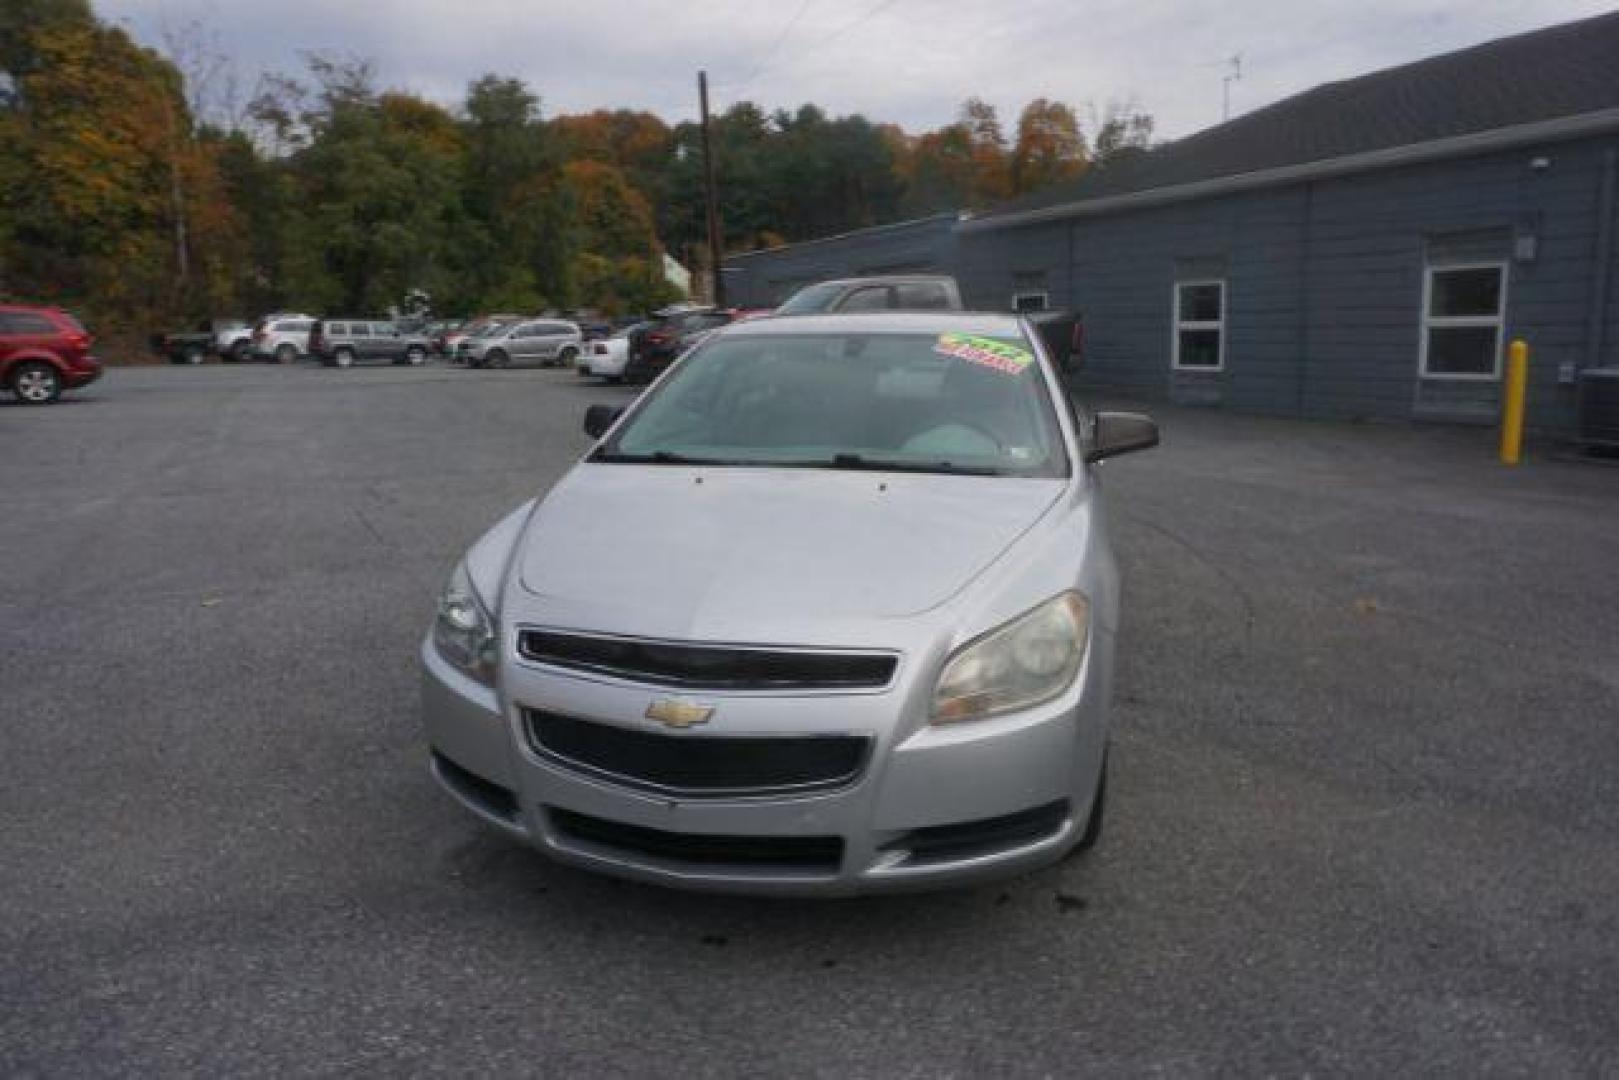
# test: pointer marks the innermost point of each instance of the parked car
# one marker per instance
(542, 341)
(233, 341)
(898, 292)
(473, 328)
(345, 342)
(281, 339)
(607, 357)
(195, 346)
(672, 332)
(867, 644)
(439, 332)
(43, 351)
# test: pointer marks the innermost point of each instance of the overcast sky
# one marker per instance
(908, 61)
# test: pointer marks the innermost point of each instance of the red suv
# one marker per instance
(43, 351)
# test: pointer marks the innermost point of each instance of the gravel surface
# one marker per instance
(1365, 808)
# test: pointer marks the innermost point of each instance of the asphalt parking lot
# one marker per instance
(1365, 808)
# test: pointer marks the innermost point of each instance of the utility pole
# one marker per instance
(711, 193)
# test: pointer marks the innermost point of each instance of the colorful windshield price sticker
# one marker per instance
(1002, 356)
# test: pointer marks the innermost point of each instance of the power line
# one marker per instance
(859, 20)
(771, 52)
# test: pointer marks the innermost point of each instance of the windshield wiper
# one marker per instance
(867, 464)
(657, 457)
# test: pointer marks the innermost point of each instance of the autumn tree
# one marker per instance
(104, 179)
(1050, 148)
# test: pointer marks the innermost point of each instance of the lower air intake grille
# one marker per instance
(803, 854)
(696, 765)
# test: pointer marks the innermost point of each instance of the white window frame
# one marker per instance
(1032, 294)
(1429, 321)
(1177, 325)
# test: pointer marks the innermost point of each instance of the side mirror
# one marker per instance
(1062, 333)
(1118, 433)
(598, 418)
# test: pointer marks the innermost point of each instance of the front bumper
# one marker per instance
(604, 366)
(83, 373)
(934, 807)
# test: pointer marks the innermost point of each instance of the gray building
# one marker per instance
(1363, 249)
(766, 278)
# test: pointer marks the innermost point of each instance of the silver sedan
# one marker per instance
(830, 609)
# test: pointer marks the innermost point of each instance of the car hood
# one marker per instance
(782, 555)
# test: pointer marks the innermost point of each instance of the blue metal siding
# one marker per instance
(766, 278)
(1324, 284)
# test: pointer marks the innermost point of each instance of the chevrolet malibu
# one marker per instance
(830, 609)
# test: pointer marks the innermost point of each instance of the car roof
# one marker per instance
(888, 279)
(993, 324)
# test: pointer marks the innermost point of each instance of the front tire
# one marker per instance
(568, 357)
(36, 383)
(415, 356)
(241, 351)
(343, 357)
(285, 354)
(496, 359)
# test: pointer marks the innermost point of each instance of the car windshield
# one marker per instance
(811, 300)
(945, 402)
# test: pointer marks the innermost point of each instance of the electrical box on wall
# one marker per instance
(1525, 247)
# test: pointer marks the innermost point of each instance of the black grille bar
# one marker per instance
(698, 765)
(805, 854)
(709, 667)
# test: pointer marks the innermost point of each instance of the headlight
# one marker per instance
(1027, 661)
(463, 631)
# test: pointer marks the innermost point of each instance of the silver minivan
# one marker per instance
(545, 342)
(830, 609)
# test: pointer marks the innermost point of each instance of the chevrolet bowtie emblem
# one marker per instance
(676, 713)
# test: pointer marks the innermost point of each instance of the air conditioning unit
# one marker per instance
(1599, 408)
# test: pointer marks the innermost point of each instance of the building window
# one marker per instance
(1462, 308)
(1199, 325)
(1031, 301)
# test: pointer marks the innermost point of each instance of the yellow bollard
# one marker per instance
(1512, 407)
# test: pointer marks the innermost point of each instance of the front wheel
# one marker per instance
(285, 354)
(36, 383)
(241, 351)
(343, 357)
(568, 357)
(191, 354)
(416, 355)
(496, 359)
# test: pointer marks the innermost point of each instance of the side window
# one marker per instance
(525, 330)
(1031, 301)
(1199, 343)
(25, 322)
(337, 329)
(383, 329)
(297, 326)
(869, 298)
(921, 296)
(1462, 313)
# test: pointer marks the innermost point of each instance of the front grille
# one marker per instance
(709, 667)
(801, 854)
(699, 766)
